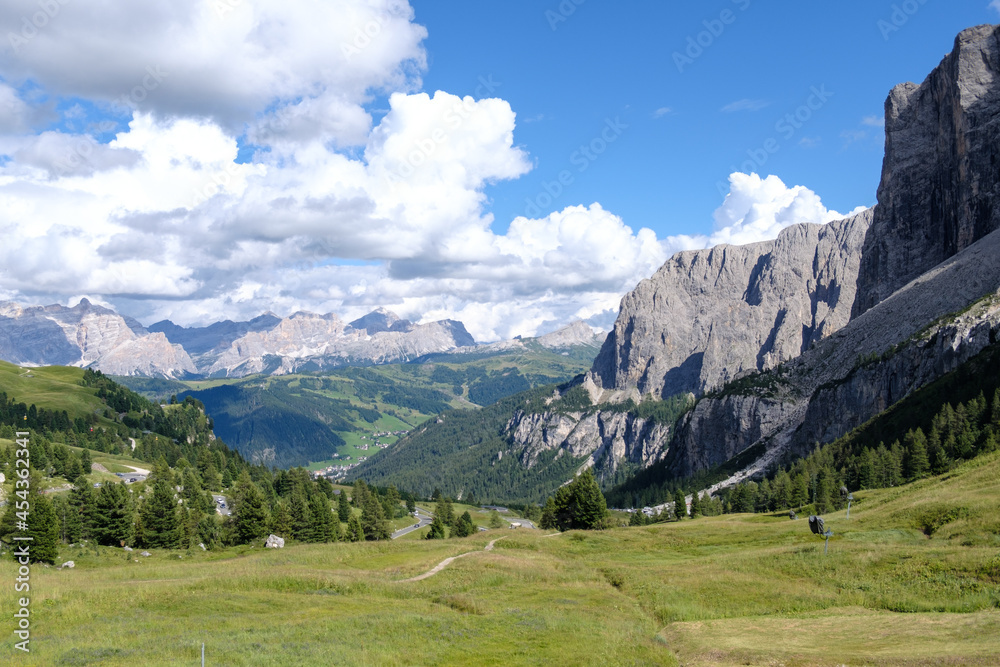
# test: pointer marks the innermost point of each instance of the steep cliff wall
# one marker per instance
(941, 173)
(707, 316)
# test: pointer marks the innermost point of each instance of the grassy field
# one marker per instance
(54, 387)
(912, 578)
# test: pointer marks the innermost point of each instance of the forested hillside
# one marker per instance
(331, 417)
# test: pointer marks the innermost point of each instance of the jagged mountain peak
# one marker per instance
(380, 320)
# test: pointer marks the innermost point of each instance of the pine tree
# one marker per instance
(373, 520)
(43, 528)
(113, 516)
(249, 510)
(355, 531)
(696, 505)
(680, 505)
(281, 519)
(464, 526)
(322, 516)
(343, 508)
(548, 519)
(917, 463)
(302, 518)
(160, 522)
(437, 531)
(495, 520)
(580, 504)
(824, 488)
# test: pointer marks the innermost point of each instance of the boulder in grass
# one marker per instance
(275, 542)
(67, 565)
(146, 554)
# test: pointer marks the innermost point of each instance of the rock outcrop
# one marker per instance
(707, 316)
(86, 335)
(941, 173)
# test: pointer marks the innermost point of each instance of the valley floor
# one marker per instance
(729, 590)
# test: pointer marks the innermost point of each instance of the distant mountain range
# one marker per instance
(89, 335)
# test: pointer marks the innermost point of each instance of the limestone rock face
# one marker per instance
(609, 439)
(707, 316)
(903, 343)
(306, 341)
(86, 335)
(941, 173)
(275, 542)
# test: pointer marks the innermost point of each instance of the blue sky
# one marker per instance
(616, 60)
(514, 165)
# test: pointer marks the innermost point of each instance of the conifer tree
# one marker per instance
(464, 526)
(281, 519)
(343, 508)
(113, 516)
(43, 528)
(355, 531)
(917, 463)
(548, 520)
(696, 505)
(373, 520)
(249, 510)
(437, 531)
(680, 505)
(495, 520)
(322, 516)
(160, 522)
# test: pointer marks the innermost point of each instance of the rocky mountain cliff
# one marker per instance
(87, 335)
(940, 185)
(796, 341)
(707, 316)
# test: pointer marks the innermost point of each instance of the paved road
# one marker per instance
(524, 522)
(221, 509)
(424, 519)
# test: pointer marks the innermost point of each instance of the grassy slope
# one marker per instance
(736, 589)
(52, 387)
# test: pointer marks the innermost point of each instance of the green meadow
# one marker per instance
(912, 578)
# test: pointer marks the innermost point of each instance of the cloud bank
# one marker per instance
(206, 160)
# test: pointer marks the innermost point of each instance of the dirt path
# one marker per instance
(445, 563)
(141, 471)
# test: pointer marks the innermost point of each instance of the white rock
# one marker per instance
(275, 542)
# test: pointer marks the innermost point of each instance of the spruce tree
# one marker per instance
(464, 526)
(917, 463)
(322, 516)
(548, 520)
(495, 520)
(160, 522)
(437, 531)
(680, 505)
(303, 528)
(355, 531)
(281, 519)
(114, 515)
(373, 520)
(43, 527)
(696, 505)
(249, 510)
(343, 508)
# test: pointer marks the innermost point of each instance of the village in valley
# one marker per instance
(377, 439)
